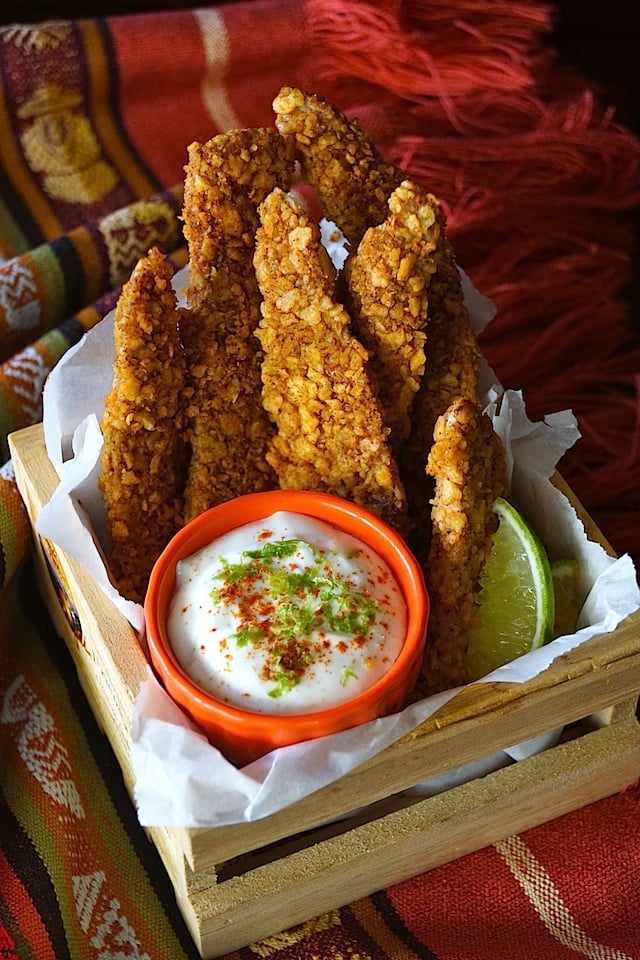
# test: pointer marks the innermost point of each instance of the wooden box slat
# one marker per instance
(421, 837)
(237, 884)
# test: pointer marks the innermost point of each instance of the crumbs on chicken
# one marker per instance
(228, 429)
(339, 160)
(387, 280)
(452, 370)
(467, 463)
(142, 456)
(330, 431)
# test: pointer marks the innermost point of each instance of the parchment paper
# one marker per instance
(181, 780)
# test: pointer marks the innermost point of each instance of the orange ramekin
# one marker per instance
(243, 735)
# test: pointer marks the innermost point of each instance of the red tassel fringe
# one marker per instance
(538, 181)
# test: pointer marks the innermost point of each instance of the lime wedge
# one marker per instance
(565, 575)
(514, 609)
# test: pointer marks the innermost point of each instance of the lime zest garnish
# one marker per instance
(347, 674)
(274, 549)
(281, 605)
(284, 683)
(515, 606)
(248, 634)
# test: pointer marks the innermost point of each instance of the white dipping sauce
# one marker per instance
(286, 615)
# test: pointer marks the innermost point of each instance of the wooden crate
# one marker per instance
(239, 884)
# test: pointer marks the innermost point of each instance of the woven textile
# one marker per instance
(536, 177)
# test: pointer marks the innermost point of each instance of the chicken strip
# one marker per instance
(452, 370)
(331, 433)
(228, 429)
(339, 160)
(142, 458)
(388, 279)
(467, 462)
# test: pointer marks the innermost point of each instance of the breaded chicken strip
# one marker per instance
(330, 430)
(388, 279)
(142, 458)
(226, 179)
(452, 370)
(467, 462)
(339, 160)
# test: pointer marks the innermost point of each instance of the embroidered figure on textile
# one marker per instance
(26, 372)
(19, 301)
(60, 145)
(39, 745)
(35, 37)
(130, 232)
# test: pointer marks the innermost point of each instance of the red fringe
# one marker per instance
(536, 178)
(429, 52)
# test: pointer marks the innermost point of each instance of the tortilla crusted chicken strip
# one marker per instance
(452, 370)
(339, 160)
(143, 455)
(388, 279)
(467, 461)
(331, 434)
(226, 179)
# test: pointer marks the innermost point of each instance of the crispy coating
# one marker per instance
(388, 279)
(142, 457)
(467, 462)
(226, 179)
(339, 160)
(330, 430)
(452, 369)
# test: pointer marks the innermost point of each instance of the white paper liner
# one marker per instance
(183, 781)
